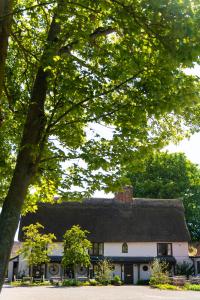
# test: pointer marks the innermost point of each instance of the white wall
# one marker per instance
(117, 270)
(179, 250)
(57, 250)
(135, 273)
(134, 249)
(23, 268)
(144, 275)
(10, 270)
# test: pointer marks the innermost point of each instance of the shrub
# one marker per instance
(167, 286)
(159, 273)
(85, 283)
(192, 287)
(93, 282)
(104, 272)
(143, 282)
(71, 282)
(116, 280)
(29, 283)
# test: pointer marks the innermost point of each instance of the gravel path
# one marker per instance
(94, 293)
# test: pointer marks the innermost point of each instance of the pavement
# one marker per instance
(94, 293)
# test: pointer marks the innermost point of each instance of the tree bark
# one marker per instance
(5, 26)
(27, 159)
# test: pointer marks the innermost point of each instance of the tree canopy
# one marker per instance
(36, 246)
(168, 176)
(71, 65)
(75, 248)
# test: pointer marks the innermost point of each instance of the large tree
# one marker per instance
(168, 176)
(71, 65)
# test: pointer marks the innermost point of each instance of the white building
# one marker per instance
(129, 232)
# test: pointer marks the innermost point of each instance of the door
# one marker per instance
(128, 273)
(15, 269)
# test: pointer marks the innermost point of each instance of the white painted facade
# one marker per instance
(149, 249)
(135, 249)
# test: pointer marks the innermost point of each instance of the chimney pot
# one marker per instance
(126, 195)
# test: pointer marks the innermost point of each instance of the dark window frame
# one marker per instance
(96, 247)
(171, 253)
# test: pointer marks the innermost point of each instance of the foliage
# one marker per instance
(85, 283)
(116, 280)
(159, 273)
(143, 282)
(184, 269)
(29, 283)
(37, 246)
(71, 282)
(102, 68)
(192, 287)
(76, 246)
(70, 65)
(167, 286)
(104, 271)
(93, 282)
(165, 175)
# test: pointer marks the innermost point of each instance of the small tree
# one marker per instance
(104, 271)
(36, 246)
(76, 247)
(159, 273)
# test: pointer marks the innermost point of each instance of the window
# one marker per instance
(124, 248)
(145, 268)
(97, 249)
(164, 249)
(198, 267)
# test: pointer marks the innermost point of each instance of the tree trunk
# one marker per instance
(24, 171)
(5, 25)
(26, 164)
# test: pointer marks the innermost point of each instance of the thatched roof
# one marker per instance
(107, 220)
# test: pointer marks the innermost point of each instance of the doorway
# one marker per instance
(128, 273)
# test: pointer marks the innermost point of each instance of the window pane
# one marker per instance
(169, 252)
(100, 248)
(198, 267)
(96, 249)
(90, 251)
(124, 248)
(164, 249)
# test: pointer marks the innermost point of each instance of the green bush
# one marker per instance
(71, 282)
(29, 283)
(159, 273)
(192, 287)
(85, 283)
(143, 282)
(116, 280)
(167, 286)
(93, 282)
(104, 272)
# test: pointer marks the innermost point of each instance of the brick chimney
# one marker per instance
(126, 195)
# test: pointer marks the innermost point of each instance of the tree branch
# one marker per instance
(114, 88)
(42, 4)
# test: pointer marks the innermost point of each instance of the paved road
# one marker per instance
(94, 293)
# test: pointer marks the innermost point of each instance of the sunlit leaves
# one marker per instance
(115, 63)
